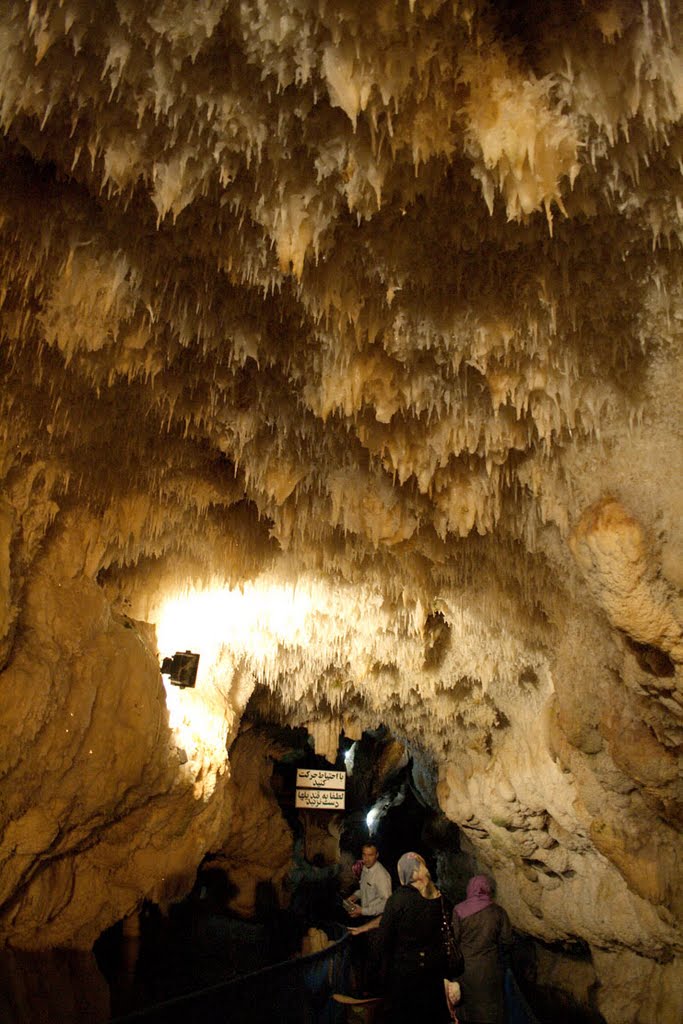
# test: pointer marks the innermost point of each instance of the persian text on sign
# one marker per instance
(320, 799)
(316, 778)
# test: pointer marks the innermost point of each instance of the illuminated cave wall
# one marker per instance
(374, 311)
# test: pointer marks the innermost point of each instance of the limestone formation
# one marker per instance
(258, 845)
(341, 343)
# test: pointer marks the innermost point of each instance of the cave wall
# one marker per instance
(387, 336)
(101, 803)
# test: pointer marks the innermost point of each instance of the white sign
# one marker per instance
(320, 789)
(320, 799)
(315, 778)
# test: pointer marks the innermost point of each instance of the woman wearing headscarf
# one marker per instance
(413, 947)
(483, 931)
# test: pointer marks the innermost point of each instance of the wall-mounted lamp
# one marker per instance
(182, 668)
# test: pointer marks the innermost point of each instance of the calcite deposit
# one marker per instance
(341, 343)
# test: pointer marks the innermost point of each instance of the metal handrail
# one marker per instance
(295, 991)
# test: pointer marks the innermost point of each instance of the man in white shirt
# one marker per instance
(375, 890)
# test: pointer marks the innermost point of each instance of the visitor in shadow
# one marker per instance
(281, 928)
(314, 887)
(483, 931)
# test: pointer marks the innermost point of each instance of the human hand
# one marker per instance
(452, 992)
(358, 930)
(355, 912)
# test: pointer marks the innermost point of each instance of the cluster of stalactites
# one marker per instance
(214, 100)
(426, 349)
(350, 649)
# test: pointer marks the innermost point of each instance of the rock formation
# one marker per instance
(340, 342)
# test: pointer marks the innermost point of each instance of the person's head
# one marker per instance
(480, 885)
(369, 855)
(412, 868)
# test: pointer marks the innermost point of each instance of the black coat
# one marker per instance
(414, 957)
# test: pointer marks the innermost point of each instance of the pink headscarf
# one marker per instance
(478, 896)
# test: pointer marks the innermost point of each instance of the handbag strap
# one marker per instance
(446, 927)
(444, 916)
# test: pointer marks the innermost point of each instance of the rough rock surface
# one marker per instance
(258, 845)
(374, 312)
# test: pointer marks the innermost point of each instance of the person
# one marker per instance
(368, 904)
(483, 931)
(374, 891)
(414, 948)
(313, 886)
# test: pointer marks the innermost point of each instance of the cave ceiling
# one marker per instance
(384, 301)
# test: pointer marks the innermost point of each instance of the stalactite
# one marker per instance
(369, 327)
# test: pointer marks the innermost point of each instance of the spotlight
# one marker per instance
(182, 668)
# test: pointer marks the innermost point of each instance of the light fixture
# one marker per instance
(181, 668)
(371, 819)
(349, 758)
